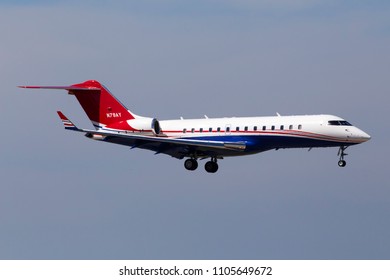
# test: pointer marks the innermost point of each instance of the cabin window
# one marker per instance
(300, 126)
(255, 128)
(184, 130)
(282, 127)
(227, 129)
(192, 130)
(246, 128)
(264, 127)
(201, 130)
(218, 129)
(290, 127)
(237, 128)
(273, 127)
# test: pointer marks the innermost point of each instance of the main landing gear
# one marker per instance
(191, 164)
(341, 153)
(210, 166)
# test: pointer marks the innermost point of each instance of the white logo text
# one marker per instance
(113, 115)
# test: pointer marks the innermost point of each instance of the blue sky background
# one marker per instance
(63, 196)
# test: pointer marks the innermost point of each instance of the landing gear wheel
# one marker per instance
(191, 164)
(342, 163)
(211, 166)
(342, 154)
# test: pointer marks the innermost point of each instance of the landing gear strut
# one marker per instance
(191, 164)
(211, 166)
(341, 153)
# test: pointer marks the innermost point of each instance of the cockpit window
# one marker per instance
(345, 123)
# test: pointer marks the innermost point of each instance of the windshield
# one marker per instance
(345, 123)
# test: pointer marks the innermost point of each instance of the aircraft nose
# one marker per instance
(362, 136)
(365, 136)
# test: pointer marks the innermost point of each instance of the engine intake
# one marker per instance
(156, 128)
(146, 124)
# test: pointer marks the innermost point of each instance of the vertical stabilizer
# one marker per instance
(99, 104)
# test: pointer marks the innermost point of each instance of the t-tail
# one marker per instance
(101, 107)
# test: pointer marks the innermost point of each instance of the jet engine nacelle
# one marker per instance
(146, 124)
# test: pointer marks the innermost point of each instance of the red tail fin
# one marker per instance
(102, 108)
(99, 104)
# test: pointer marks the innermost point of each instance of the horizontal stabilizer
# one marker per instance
(101, 107)
(62, 87)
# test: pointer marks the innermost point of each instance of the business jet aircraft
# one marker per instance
(214, 138)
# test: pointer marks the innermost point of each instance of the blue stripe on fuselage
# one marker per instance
(260, 143)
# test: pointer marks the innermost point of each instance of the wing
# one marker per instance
(175, 147)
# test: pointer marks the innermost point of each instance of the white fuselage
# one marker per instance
(297, 126)
(269, 132)
(264, 133)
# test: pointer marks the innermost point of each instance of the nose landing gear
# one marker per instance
(341, 153)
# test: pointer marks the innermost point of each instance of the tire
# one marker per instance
(342, 163)
(190, 164)
(211, 167)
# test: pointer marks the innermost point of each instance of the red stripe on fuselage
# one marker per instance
(295, 133)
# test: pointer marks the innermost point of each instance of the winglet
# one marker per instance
(67, 123)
